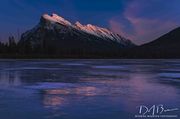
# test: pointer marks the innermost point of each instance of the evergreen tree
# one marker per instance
(12, 46)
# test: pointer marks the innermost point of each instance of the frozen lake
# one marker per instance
(86, 89)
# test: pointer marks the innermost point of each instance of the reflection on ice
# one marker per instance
(80, 89)
(52, 101)
(86, 91)
(9, 79)
(57, 91)
(50, 85)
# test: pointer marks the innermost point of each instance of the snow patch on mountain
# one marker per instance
(100, 32)
(104, 33)
(56, 19)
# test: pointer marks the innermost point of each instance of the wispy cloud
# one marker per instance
(147, 20)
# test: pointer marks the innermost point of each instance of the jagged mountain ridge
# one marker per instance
(55, 35)
(91, 29)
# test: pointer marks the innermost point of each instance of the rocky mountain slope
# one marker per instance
(57, 36)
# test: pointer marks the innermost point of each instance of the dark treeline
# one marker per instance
(46, 49)
(9, 47)
(16, 49)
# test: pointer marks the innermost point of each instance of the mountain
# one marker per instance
(54, 35)
(166, 46)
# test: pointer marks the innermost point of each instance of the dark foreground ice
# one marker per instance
(86, 89)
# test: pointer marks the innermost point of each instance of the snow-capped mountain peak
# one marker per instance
(78, 25)
(103, 33)
(98, 31)
(56, 19)
(57, 36)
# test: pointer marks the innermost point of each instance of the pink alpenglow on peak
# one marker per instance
(57, 19)
(98, 31)
(59, 36)
(79, 25)
(90, 29)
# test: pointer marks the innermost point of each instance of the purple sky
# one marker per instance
(139, 20)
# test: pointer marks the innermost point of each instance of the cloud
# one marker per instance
(147, 22)
(119, 28)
